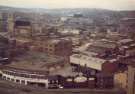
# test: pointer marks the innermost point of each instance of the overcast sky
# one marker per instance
(105, 4)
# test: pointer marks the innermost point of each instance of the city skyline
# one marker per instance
(52, 4)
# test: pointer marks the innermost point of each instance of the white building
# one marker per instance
(91, 62)
(69, 31)
(94, 62)
(23, 77)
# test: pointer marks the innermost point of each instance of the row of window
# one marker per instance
(16, 80)
(25, 75)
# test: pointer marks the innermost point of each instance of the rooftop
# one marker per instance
(100, 46)
(104, 44)
(89, 61)
(125, 40)
(96, 49)
(125, 19)
(54, 41)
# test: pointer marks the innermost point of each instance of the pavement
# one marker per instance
(13, 88)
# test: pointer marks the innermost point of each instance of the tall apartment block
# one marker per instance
(131, 80)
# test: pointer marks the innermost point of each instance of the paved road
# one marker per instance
(11, 88)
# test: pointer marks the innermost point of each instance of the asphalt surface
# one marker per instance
(12, 88)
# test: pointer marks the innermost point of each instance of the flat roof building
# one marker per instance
(94, 62)
(60, 47)
(22, 28)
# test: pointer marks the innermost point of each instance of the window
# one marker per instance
(50, 45)
(8, 78)
(17, 80)
(12, 79)
(4, 77)
(23, 81)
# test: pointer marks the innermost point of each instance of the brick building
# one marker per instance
(59, 47)
(23, 28)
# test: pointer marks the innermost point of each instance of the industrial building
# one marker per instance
(94, 63)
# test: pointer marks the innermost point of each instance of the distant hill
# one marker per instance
(88, 12)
